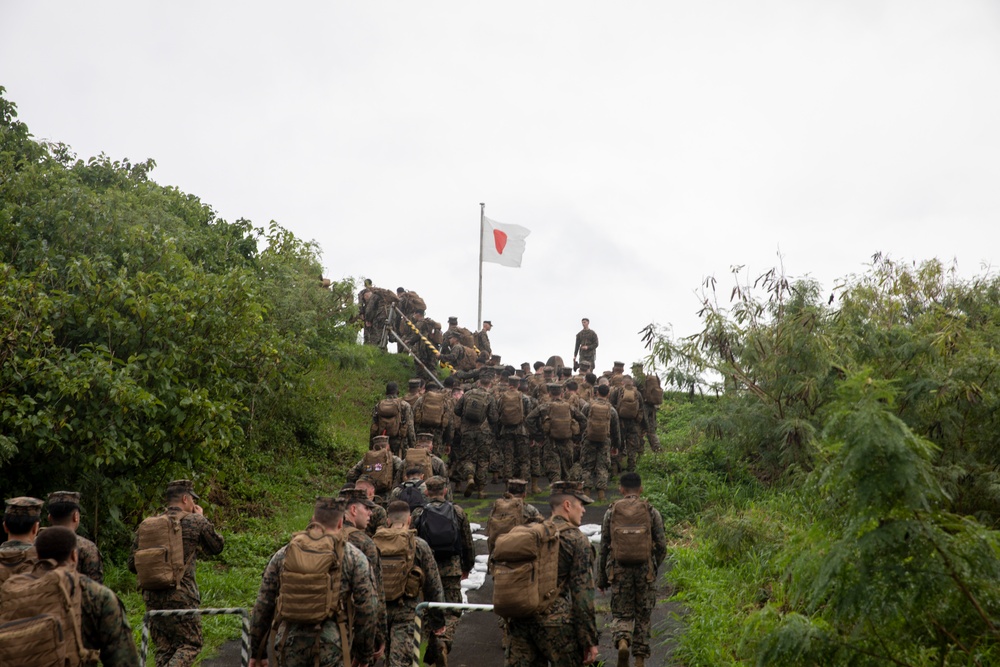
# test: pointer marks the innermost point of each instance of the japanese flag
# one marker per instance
(503, 244)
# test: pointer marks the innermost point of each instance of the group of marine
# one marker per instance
(344, 591)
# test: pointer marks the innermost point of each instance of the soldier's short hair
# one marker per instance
(413, 472)
(590, 378)
(630, 481)
(603, 390)
(57, 543)
(537, 365)
(19, 524)
(328, 512)
(391, 387)
(572, 385)
(61, 511)
(398, 510)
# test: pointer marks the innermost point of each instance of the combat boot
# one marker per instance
(622, 653)
(601, 495)
(470, 484)
(534, 486)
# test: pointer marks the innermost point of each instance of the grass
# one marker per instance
(258, 498)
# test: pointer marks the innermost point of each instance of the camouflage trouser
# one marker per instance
(177, 639)
(535, 454)
(397, 445)
(632, 442)
(308, 646)
(533, 644)
(452, 593)
(558, 459)
(477, 445)
(651, 436)
(515, 456)
(632, 601)
(399, 638)
(595, 460)
(458, 468)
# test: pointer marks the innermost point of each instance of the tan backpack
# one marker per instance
(159, 557)
(628, 403)
(40, 619)
(418, 457)
(652, 392)
(526, 570)
(431, 409)
(511, 408)
(397, 548)
(631, 531)
(559, 421)
(378, 465)
(599, 421)
(466, 338)
(388, 417)
(507, 514)
(311, 577)
(16, 561)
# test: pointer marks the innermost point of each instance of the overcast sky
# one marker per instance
(646, 145)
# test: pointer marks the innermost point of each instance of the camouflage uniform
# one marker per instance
(16, 557)
(633, 587)
(589, 338)
(442, 431)
(632, 429)
(460, 357)
(557, 454)
(378, 519)
(178, 639)
(401, 612)
(482, 339)
(365, 545)
(89, 560)
(477, 438)
(560, 636)
(407, 435)
(376, 313)
(453, 568)
(297, 645)
(512, 446)
(104, 625)
(358, 469)
(595, 457)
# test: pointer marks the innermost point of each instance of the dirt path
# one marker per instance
(477, 641)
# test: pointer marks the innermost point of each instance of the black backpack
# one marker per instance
(411, 493)
(438, 526)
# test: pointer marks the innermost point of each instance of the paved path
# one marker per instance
(477, 641)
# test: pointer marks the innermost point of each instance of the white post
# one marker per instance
(482, 230)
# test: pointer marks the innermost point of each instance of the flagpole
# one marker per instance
(482, 230)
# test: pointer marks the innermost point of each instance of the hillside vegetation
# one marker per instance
(839, 500)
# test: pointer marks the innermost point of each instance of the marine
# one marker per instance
(64, 510)
(317, 644)
(633, 586)
(585, 347)
(20, 521)
(104, 627)
(178, 639)
(478, 410)
(566, 634)
(558, 449)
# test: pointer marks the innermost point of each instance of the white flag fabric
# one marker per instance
(503, 244)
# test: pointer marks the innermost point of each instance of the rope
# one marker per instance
(423, 338)
(418, 620)
(244, 633)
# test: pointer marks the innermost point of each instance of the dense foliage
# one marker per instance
(871, 416)
(141, 336)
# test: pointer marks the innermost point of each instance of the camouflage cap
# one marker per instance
(354, 496)
(414, 382)
(554, 387)
(487, 322)
(525, 365)
(619, 364)
(64, 497)
(547, 369)
(329, 503)
(181, 486)
(436, 484)
(516, 485)
(574, 489)
(586, 364)
(24, 506)
(380, 440)
(453, 320)
(425, 437)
